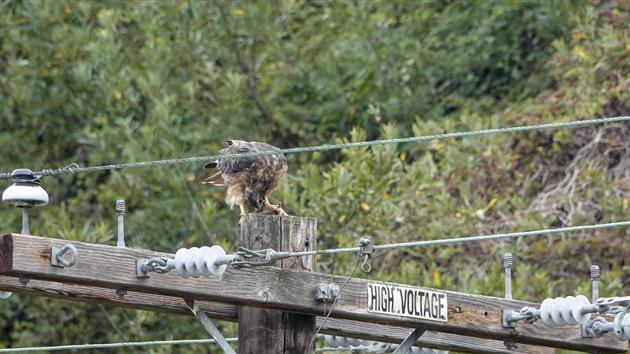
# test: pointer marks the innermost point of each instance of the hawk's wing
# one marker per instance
(234, 165)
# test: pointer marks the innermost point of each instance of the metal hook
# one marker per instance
(71, 166)
(366, 267)
(57, 256)
(367, 249)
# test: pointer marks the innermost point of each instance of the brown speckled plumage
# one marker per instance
(249, 180)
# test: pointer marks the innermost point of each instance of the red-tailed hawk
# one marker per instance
(250, 180)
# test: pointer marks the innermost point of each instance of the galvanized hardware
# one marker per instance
(121, 291)
(599, 326)
(607, 302)
(120, 211)
(510, 344)
(25, 193)
(367, 250)
(258, 258)
(526, 314)
(326, 292)
(143, 268)
(24, 279)
(406, 345)
(57, 254)
(612, 305)
(595, 282)
(593, 328)
(507, 265)
(209, 326)
(193, 262)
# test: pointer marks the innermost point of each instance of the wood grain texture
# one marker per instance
(288, 290)
(277, 331)
(227, 312)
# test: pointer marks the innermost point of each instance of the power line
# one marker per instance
(112, 345)
(136, 344)
(522, 128)
(463, 239)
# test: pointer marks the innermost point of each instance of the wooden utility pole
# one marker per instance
(273, 331)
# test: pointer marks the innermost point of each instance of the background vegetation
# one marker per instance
(105, 82)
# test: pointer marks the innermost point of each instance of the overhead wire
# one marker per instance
(464, 239)
(135, 344)
(523, 128)
(112, 345)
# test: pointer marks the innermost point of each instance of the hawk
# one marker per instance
(249, 179)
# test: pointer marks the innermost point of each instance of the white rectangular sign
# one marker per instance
(407, 301)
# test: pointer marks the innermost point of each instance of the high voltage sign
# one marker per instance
(407, 301)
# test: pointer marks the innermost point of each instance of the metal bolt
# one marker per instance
(24, 279)
(510, 344)
(595, 274)
(121, 291)
(120, 206)
(507, 265)
(57, 258)
(120, 210)
(25, 228)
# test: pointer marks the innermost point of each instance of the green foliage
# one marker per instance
(105, 82)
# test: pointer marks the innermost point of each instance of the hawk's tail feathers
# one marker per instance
(216, 179)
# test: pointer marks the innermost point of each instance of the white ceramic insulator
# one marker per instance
(342, 341)
(331, 341)
(621, 326)
(193, 254)
(196, 262)
(180, 258)
(354, 342)
(580, 317)
(564, 311)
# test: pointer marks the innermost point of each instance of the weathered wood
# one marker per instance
(112, 267)
(227, 312)
(277, 331)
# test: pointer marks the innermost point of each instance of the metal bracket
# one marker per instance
(326, 292)
(527, 314)
(140, 268)
(209, 326)
(607, 301)
(57, 259)
(144, 266)
(405, 346)
(599, 326)
(594, 328)
(507, 318)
